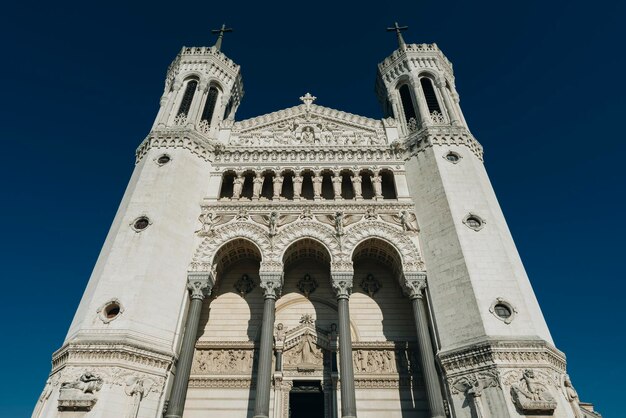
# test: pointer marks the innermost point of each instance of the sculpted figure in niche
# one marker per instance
(257, 186)
(237, 186)
(356, 185)
(279, 336)
(87, 383)
(317, 186)
(307, 352)
(297, 186)
(377, 183)
(136, 390)
(572, 397)
(278, 186)
(337, 186)
(308, 135)
(273, 223)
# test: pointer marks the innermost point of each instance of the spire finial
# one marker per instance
(221, 31)
(308, 100)
(398, 30)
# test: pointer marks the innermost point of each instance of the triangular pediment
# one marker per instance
(308, 125)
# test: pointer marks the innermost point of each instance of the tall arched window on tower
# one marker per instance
(430, 96)
(209, 105)
(185, 104)
(408, 107)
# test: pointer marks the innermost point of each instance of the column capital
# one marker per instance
(414, 284)
(271, 283)
(342, 284)
(199, 284)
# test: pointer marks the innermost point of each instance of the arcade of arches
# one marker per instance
(278, 343)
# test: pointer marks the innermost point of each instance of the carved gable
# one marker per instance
(308, 125)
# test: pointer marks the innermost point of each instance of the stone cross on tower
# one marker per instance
(398, 30)
(221, 31)
(308, 100)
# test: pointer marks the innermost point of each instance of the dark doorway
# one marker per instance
(306, 400)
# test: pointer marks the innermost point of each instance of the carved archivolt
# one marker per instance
(409, 253)
(307, 229)
(203, 257)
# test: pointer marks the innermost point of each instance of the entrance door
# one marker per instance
(306, 400)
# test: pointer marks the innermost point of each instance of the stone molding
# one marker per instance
(221, 383)
(514, 354)
(428, 136)
(318, 227)
(181, 137)
(419, 56)
(319, 155)
(86, 352)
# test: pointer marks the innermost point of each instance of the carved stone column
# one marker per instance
(199, 286)
(356, 186)
(271, 283)
(454, 120)
(317, 186)
(257, 186)
(342, 284)
(422, 106)
(278, 186)
(337, 180)
(414, 285)
(168, 117)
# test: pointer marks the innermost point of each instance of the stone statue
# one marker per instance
(531, 396)
(206, 218)
(257, 186)
(339, 223)
(297, 186)
(278, 186)
(87, 383)
(307, 352)
(273, 223)
(572, 397)
(317, 186)
(378, 186)
(136, 390)
(337, 185)
(237, 187)
(279, 336)
(356, 185)
(307, 135)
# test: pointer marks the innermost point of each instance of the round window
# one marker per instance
(502, 311)
(112, 311)
(163, 159)
(141, 223)
(474, 222)
(452, 157)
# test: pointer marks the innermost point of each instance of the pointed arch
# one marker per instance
(204, 255)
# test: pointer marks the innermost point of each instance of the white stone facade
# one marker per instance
(307, 196)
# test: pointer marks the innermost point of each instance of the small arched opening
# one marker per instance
(287, 191)
(307, 185)
(367, 189)
(408, 106)
(247, 184)
(430, 95)
(327, 185)
(209, 104)
(347, 189)
(388, 184)
(190, 90)
(267, 191)
(226, 191)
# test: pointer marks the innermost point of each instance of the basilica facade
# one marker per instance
(309, 263)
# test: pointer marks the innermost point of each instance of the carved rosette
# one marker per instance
(199, 284)
(414, 284)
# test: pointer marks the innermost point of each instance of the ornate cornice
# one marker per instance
(183, 137)
(438, 135)
(87, 352)
(295, 206)
(221, 382)
(490, 354)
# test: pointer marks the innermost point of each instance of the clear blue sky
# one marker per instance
(541, 85)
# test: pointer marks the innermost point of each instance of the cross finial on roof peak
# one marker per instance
(398, 30)
(308, 100)
(221, 31)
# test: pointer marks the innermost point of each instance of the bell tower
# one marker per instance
(203, 87)
(123, 346)
(490, 333)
